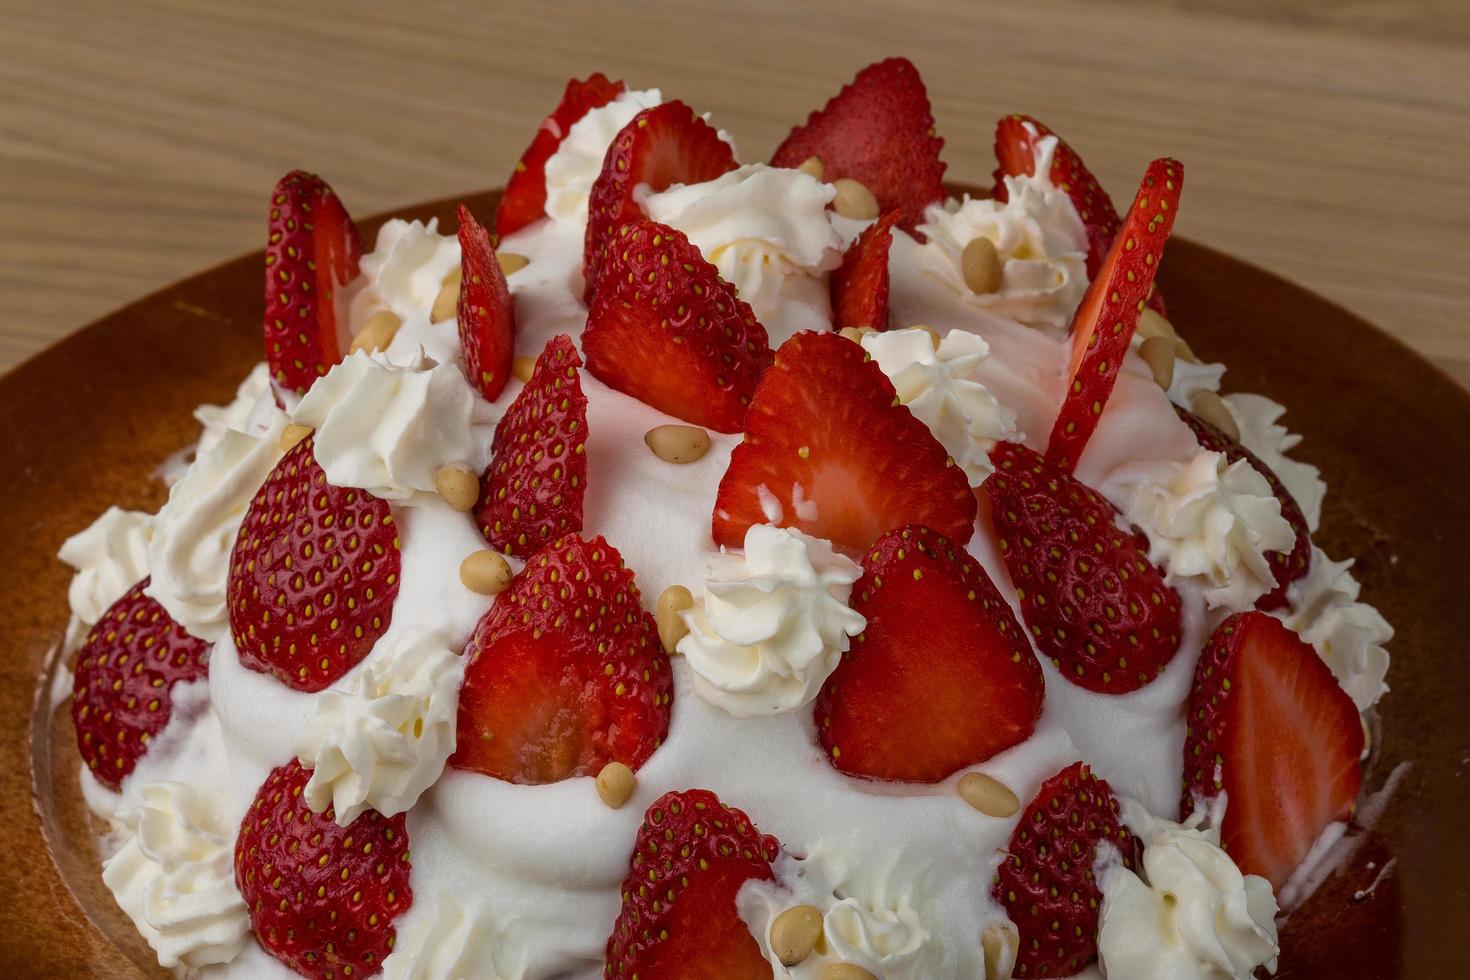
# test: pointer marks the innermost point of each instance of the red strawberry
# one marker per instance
(678, 920)
(941, 678)
(1286, 566)
(666, 329)
(1092, 600)
(313, 251)
(486, 316)
(1046, 881)
(565, 671)
(122, 694)
(313, 575)
(322, 898)
(537, 475)
(1105, 321)
(829, 450)
(879, 131)
(1270, 727)
(524, 200)
(662, 146)
(860, 285)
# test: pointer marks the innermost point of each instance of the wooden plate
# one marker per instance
(87, 421)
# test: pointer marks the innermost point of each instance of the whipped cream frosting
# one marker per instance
(1191, 378)
(1260, 432)
(938, 386)
(247, 412)
(1323, 608)
(405, 270)
(110, 556)
(459, 939)
(1191, 915)
(382, 740)
(573, 168)
(772, 622)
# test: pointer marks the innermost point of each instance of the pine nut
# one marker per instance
(511, 263)
(1185, 352)
(1158, 354)
(1211, 407)
(292, 435)
(677, 443)
(1000, 942)
(853, 200)
(813, 166)
(795, 932)
(1151, 324)
(988, 795)
(671, 626)
(856, 334)
(846, 971)
(615, 784)
(458, 486)
(980, 265)
(377, 333)
(933, 334)
(485, 572)
(522, 368)
(446, 304)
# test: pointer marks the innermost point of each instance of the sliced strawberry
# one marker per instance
(565, 671)
(828, 450)
(1093, 602)
(486, 315)
(662, 146)
(322, 898)
(313, 251)
(666, 329)
(1269, 726)
(122, 694)
(860, 285)
(524, 200)
(942, 676)
(534, 485)
(1047, 881)
(1286, 566)
(679, 920)
(313, 575)
(879, 131)
(1105, 321)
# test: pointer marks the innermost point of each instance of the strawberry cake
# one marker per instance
(707, 569)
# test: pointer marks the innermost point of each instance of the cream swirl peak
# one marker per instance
(110, 556)
(572, 169)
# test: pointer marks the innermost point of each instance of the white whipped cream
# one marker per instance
(573, 168)
(1256, 416)
(405, 270)
(1192, 915)
(938, 387)
(461, 939)
(772, 623)
(1323, 608)
(1191, 378)
(175, 875)
(770, 235)
(110, 556)
(388, 428)
(1207, 518)
(381, 740)
(248, 412)
(196, 529)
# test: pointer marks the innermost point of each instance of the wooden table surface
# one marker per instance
(1328, 140)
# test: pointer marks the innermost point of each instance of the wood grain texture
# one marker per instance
(1327, 140)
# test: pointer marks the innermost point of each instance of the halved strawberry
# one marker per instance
(313, 575)
(941, 677)
(666, 329)
(1093, 602)
(1104, 323)
(565, 671)
(122, 694)
(860, 285)
(485, 314)
(1286, 566)
(322, 898)
(524, 200)
(828, 450)
(879, 130)
(1047, 881)
(537, 477)
(662, 146)
(1269, 726)
(679, 920)
(312, 252)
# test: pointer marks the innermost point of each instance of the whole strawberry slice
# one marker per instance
(879, 131)
(1046, 880)
(533, 488)
(524, 200)
(1286, 566)
(666, 329)
(565, 671)
(942, 676)
(1269, 726)
(662, 146)
(828, 450)
(313, 575)
(860, 285)
(322, 898)
(312, 252)
(1104, 323)
(122, 694)
(485, 315)
(1093, 602)
(679, 920)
